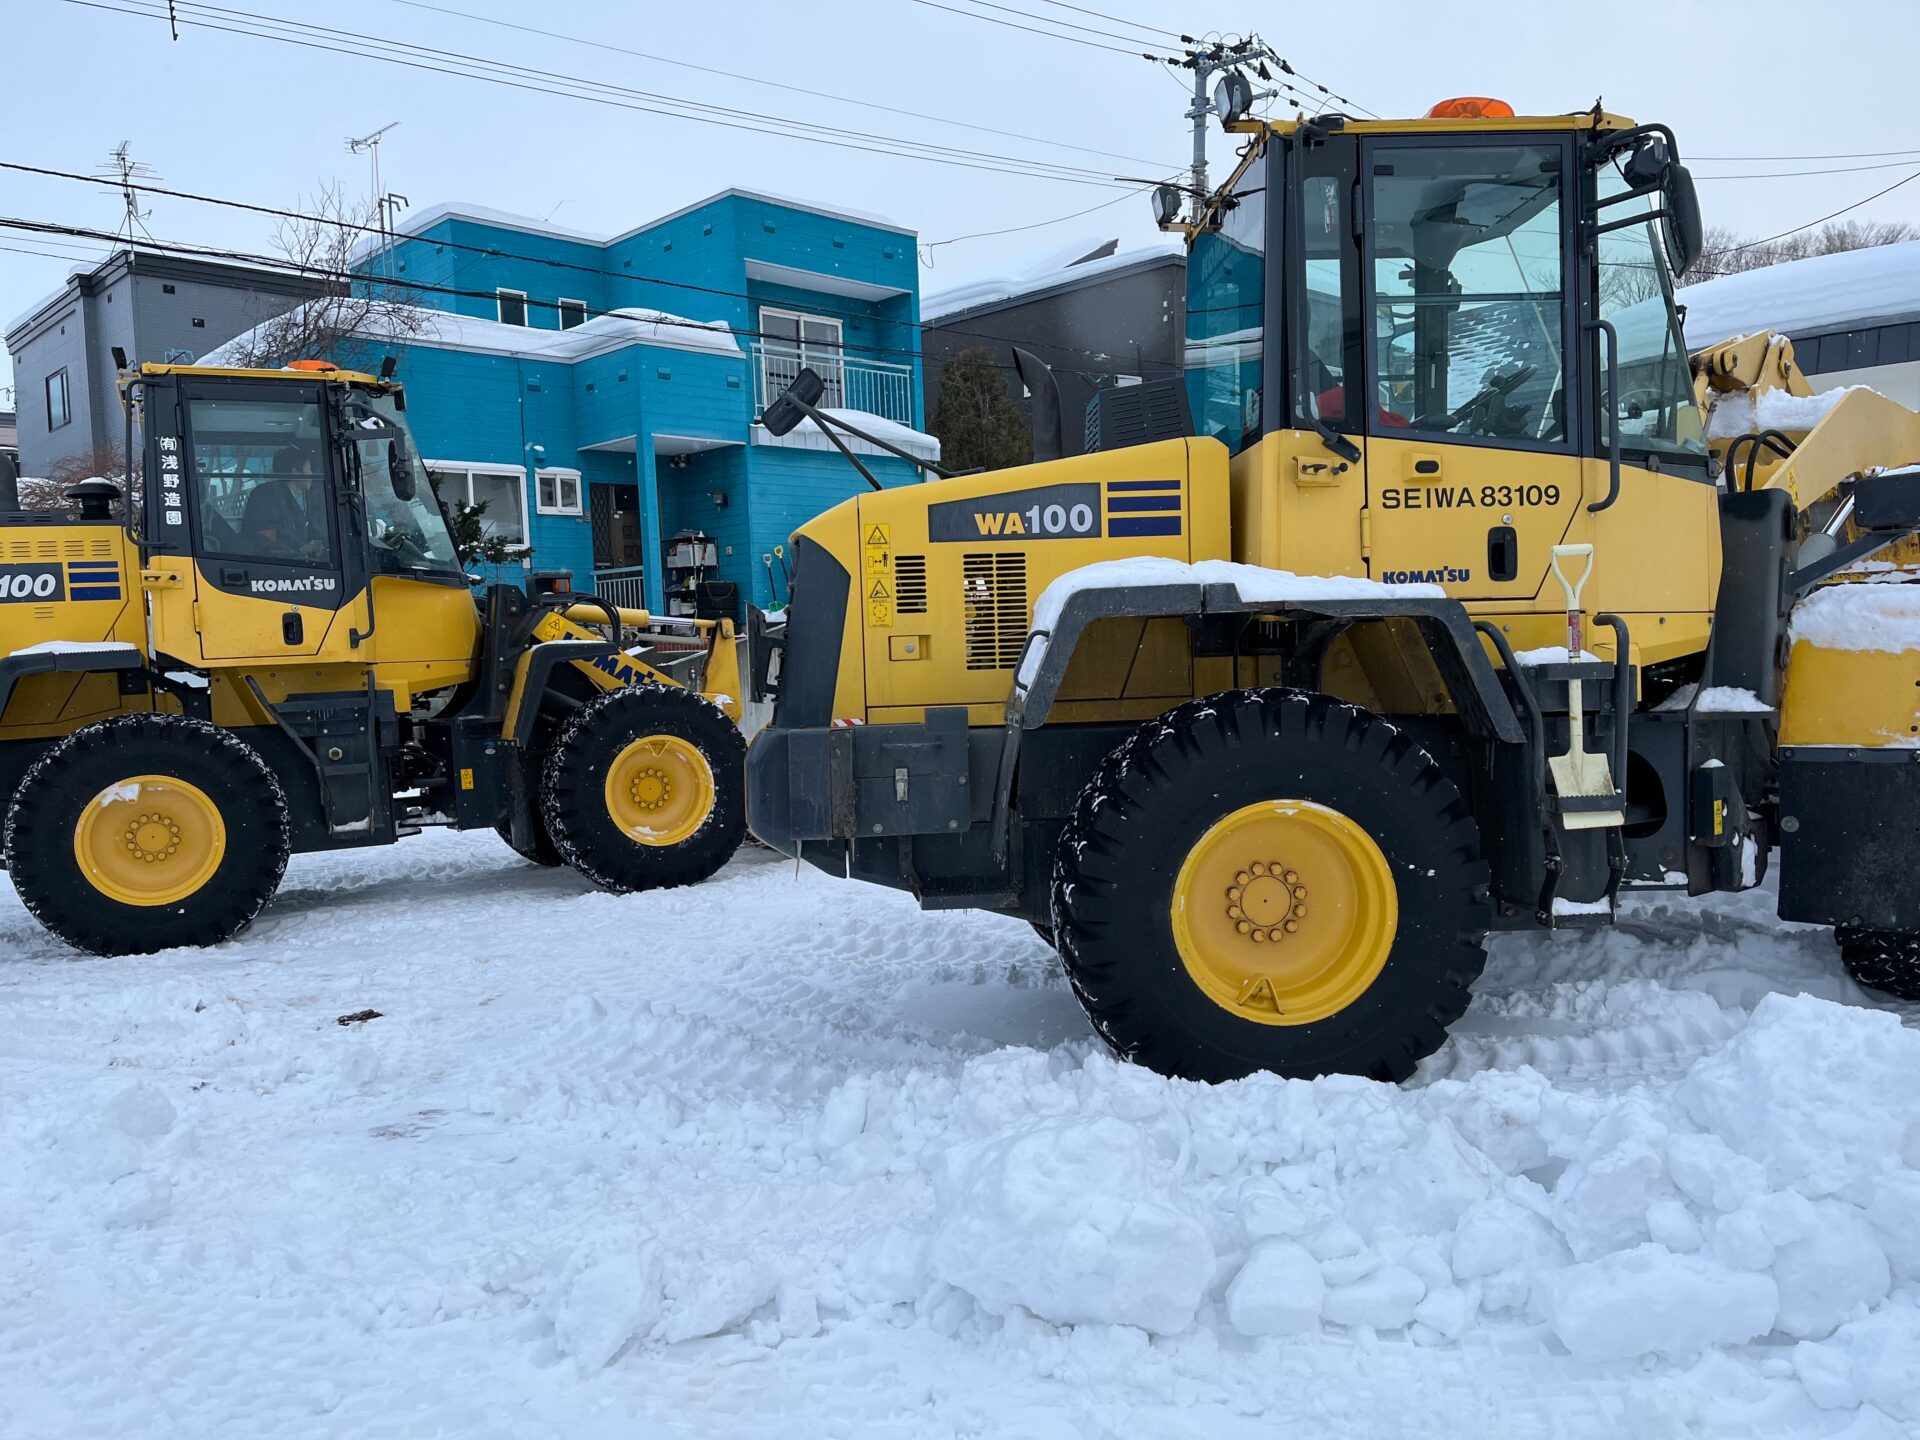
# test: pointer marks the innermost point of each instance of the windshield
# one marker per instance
(1655, 409)
(408, 536)
(1226, 276)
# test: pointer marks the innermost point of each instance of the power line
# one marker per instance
(426, 58)
(1033, 29)
(772, 84)
(1851, 155)
(1048, 20)
(490, 252)
(1768, 240)
(1116, 20)
(349, 277)
(1037, 224)
(1802, 174)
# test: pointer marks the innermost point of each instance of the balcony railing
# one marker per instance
(878, 387)
(625, 587)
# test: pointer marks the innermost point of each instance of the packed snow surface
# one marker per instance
(1867, 615)
(74, 647)
(782, 1155)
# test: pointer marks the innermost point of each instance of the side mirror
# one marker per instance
(1681, 229)
(400, 471)
(793, 403)
(1049, 441)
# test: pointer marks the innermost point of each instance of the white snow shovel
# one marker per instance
(1580, 775)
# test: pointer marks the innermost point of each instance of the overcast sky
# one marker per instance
(249, 119)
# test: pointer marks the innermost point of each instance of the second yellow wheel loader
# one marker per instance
(1443, 594)
(275, 649)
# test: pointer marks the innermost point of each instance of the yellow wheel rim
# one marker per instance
(150, 840)
(1284, 912)
(660, 790)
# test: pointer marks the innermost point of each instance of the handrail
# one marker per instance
(1605, 327)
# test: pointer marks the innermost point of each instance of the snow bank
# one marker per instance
(806, 435)
(1875, 615)
(1744, 413)
(1715, 700)
(784, 1155)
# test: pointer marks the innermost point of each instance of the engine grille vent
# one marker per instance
(994, 588)
(910, 584)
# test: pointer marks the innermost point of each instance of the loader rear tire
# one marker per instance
(645, 788)
(1271, 880)
(542, 852)
(1882, 960)
(144, 832)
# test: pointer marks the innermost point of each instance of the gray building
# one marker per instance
(155, 308)
(1098, 317)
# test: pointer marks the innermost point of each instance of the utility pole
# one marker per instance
(1206, 62)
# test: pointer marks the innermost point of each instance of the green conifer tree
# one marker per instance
(976, 421)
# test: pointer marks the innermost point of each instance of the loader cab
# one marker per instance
(1430, 311)
(279, 498)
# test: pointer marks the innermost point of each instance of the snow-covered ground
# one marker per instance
(784, 1156)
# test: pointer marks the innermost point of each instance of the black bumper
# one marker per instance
(861, 782)
(1850, 837)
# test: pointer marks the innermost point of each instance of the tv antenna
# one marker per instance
(126, 169)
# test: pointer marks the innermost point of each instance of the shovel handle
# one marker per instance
(1573, 584)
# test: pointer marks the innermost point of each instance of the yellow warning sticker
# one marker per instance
(879, 604)
(879, 534)
(466, 778)
(879, 560)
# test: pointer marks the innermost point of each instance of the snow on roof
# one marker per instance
(1819, 293)
(1050, 273)
(806, 435)
(598, 336)
(416, 222)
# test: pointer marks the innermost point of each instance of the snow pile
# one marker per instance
(1550, 655)
(783, 1155)
(806, 435)
(1859, 616)
(75, 647)
(1745, 413)
(1715, 700)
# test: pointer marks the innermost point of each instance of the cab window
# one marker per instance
(1468, 306)
(1226, 303)
(259, 474)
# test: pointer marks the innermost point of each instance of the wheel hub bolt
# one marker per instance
(1266, 901)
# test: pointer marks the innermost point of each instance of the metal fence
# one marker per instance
(878, 387)
(625, 587)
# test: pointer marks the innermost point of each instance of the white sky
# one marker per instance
(253, 120)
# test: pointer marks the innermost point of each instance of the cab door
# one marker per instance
(262, 478)
(1472, 359)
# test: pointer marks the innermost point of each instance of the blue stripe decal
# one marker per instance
(1143, 485)
(1145, 525)
(1143, 502)
(93, 564)
(93, 592)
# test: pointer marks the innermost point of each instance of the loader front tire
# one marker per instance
(1882, 960)
(144, 832)
(1271, 880)
(542, 851)
(646, 787)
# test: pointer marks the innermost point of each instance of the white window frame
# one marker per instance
(833, 373)
(500, 295)
(66, 399)
(562, 475)
(468, 469)
(561, 305)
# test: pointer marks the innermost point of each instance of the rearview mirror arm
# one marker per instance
(828, 424)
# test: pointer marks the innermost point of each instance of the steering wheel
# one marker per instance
(399, 539)
(1497, 388)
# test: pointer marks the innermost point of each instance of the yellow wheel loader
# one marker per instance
(1443, 594)
(274, 648)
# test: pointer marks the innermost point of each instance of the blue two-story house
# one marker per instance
(600, 394)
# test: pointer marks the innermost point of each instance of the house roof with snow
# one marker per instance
(599, 336)
(1071, 267)
(1876, 286)
(418, 222)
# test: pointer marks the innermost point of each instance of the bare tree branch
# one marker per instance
(352, 325)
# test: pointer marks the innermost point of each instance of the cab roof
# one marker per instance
(1455, 124)
(336, 377)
